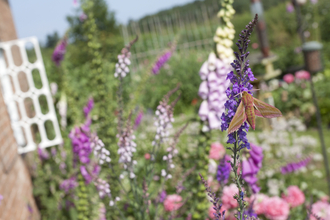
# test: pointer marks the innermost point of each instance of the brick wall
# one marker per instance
(15, 180)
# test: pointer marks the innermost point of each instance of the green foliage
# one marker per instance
(51, 40)
(182, 68)
(108, 34)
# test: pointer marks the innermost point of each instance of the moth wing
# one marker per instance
(265, 110)
(238, 119)
(257, 112)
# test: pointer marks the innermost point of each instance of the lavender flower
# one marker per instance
(124, 61)
(291, 167)
(223, 170)
(212, 90)
(161, 62)
(251, 167)
(82, 17)
(214, 200)
(43, 154)
(240, 82)
(68, 184)
(138, 120)
(58, 54)
(88, 108)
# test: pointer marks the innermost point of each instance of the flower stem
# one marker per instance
(234, 165)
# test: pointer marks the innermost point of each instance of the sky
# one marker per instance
(41, 17)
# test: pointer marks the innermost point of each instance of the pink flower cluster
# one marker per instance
(321, 209)
(300, 75)
(217, 151)
(172, 202)
(273, 208)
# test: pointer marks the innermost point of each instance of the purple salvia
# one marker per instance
(161, 62)
(162, 196)
(239, 82)
(138, 120)
(58, 54)
(251, 167)
(294, 166)
(214, 200)
(224, 170)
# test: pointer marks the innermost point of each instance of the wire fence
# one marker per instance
(191, 30)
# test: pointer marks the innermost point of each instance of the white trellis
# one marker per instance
(14, 97)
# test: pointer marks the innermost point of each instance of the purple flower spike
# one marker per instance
(251, 167)
(138, 120)
(161, 62)
(81, 144)
(58, 54)
(240, 81)
(162, 196)
(224, 170)
(88, 108)
(291, 167)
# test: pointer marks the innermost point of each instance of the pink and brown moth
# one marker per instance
(248, 109)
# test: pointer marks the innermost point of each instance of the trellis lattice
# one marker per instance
(15, 97)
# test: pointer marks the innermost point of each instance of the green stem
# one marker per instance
(234, 165)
